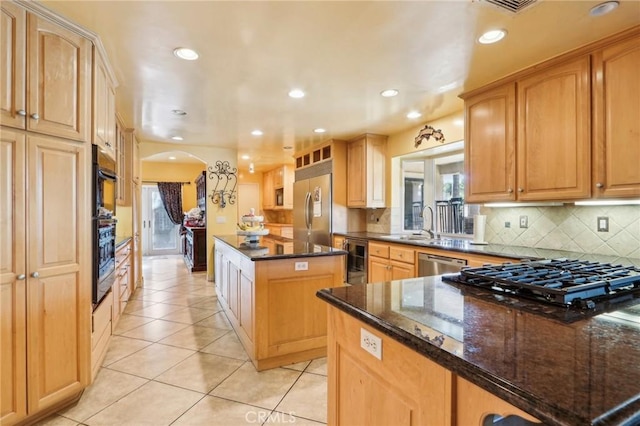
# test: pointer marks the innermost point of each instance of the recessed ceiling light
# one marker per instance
(179, 112)
(603, 8)
(414, 114)
(172, 158)
(296, 93)
(257, 132)
(492, 36)
(389, 93)
(319, 130)
(245, 157)
(185, 53)
(177, 138)
(458, 122)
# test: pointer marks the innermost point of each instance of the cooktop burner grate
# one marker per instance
(559, 281)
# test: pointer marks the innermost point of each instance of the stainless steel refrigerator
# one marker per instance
(312, 210)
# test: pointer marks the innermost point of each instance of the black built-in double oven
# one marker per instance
(103, 205)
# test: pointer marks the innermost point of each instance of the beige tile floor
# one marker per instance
(175, 360)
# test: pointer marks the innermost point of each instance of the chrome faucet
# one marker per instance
(429, 231)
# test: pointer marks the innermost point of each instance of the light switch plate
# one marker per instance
(301, 266)
(524, 221)
(603, 224)
(371, 343)
(221, 219)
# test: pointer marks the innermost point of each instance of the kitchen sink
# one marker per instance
(417, 238)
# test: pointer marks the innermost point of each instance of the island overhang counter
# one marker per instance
(427, 351)
(268, 293)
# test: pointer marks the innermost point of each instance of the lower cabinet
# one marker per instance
(122, 287)
(389, 262)
(273, 307)
(101, 328)
(398, 386)
(195, 249)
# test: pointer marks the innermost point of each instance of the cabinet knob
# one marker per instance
(510, 190)
(35, 274)
(599, 185)
(520, 190)
(35, 116)
(21, 277)
(21, 112)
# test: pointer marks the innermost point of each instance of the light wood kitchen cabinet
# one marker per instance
(122, 286)
(124, 163)
(401, 388)
(44, 283)
(338, 242)
(268, 194)
(104, 108)
(553, 142)
(474, 405)
(46, 76)
(548, 157)
(389, 262)
(101, 329)
(490, 160)
(366, 165)
(616, 109)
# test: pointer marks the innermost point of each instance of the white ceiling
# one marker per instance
(342, 54)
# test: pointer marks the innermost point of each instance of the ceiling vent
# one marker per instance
(513, 6)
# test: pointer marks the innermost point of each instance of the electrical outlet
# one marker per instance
(371, 343)
(301, 266)
(221, 219)
(603, 224)
(524, 221)
(507, 224)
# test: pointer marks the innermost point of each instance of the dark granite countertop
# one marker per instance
(576, 372)
(515, 252)
(274, 247)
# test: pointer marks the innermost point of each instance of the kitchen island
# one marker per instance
(268, 293)
(427, 351)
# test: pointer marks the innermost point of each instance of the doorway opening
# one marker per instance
(159, 234)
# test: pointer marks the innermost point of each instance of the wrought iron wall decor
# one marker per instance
(427, 133)
(225, 180)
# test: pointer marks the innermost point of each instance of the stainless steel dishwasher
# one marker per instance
(432, 264)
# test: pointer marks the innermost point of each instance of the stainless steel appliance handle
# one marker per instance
(307, 215)
(442, 259)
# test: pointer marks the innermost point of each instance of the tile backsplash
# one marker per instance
(573, 228)
(568, 227)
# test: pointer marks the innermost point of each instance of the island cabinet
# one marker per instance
(374, 380)
(366, 165)
(270, 301)
(42, 63)
(616, 125)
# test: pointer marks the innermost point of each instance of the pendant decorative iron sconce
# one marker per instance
(428, 132)
(225, 181)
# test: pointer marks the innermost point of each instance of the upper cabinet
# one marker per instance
(366, 164)
(278, 188)
(553, 142)
(616, 108)
(104, 107)
(46, 76)
(529, 136)
(124, 163)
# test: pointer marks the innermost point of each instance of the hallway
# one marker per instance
(175, 360)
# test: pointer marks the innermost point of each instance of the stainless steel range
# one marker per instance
(576, 284)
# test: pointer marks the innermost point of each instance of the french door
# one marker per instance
(159, 234)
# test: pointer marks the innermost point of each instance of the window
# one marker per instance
(437, 182)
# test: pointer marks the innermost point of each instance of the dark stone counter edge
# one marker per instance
(627, 414)
(334, 252)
